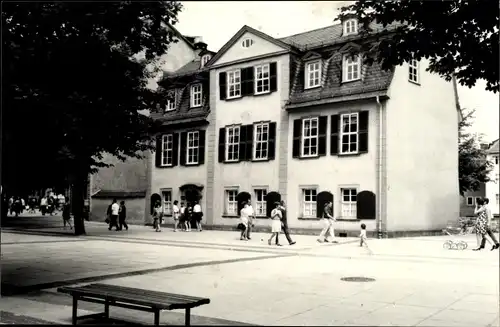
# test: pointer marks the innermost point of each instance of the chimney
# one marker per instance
(199, 45)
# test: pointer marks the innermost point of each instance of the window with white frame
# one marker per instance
(260, 202)
(413, 71)
(261, 141)
(231, 202)
(309, 202)
(234, 84)
(470, 201)
(247, 43)
(349, 202)
(349, 133)
(262, 79)
(171, 100)
(167, 146)
(350, 27)
(167, 201)
(232, 143)
(196, 91)
(206, 58)
(352, 68)
(309, 137)
(313, 74)
(193, 147)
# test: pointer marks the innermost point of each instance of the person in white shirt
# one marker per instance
(245, 221)
(183, 219)
(43, 205)
(115, 209)
(176, 214)
(251, 218)
(362, 238)
(276, 216)
(198, 215)
(489, 217)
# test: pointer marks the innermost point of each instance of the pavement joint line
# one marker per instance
(35, 242)
(9, 290)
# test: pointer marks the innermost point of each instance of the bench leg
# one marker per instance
(157, 317)
(75, 310)
(187, 320)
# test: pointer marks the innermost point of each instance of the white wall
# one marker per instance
(422, 152)
(492, 187)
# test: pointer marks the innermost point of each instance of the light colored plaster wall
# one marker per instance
(422, 152)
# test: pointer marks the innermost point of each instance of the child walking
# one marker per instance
(362, 238)
(276, 216)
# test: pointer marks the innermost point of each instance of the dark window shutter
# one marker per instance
(363, 132)
(242, 155)
(272, 141)
(321, 200)
(222, 144)
(322, 122)
(297, 132)
(247, 83)
(201, 149)
(222, 85)
(158, 151)
(249, 145)
(334, 136)
(175, 149)
(365, 205)
(273, 80)
(183, 148)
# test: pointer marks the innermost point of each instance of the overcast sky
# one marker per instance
(217, 22)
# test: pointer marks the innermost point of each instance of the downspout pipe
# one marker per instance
(380, 153)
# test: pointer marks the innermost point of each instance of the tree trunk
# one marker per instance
(77, 199)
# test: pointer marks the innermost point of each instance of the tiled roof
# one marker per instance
(190, 67)
(494, 147)
(328, 42)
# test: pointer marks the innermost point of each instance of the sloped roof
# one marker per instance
(190, 67)
(119, 194)
(494, 147)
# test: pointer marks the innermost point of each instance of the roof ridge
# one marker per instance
(309, 31)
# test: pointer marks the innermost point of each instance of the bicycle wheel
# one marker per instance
(463, 245)
(447, 245)
(454, 246)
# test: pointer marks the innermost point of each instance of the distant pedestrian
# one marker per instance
(189, 216)
(44, 205)
(115, 209)
(183, 218)
(482, 224)
(176, 214)
(362, 238)
(157, 215)
(197, 215)
(244, 221)
(276, 216)
(66, 214)
(122, 215)
(251, 220)
(327, 220)
(284, 223)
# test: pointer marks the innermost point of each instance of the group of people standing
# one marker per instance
(116, 215)
(483, 224)
(184, 216)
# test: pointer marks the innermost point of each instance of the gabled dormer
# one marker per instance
(351, 62)
(313, 64)
(350, 25)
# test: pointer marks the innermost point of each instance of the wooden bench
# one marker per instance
(130, 298)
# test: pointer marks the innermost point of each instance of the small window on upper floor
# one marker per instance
(205, 59)
(247, 43)
(413, 71)
(350, 26)
(313, 74)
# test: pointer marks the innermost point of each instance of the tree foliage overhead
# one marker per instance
(458, 37)
(473, 166)
(74, 81)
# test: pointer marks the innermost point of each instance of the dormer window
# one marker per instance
(171, 100)
(247, 43)
(350, 26)
(351, 68)
(206, 58)
(196, 92)
(313, 74)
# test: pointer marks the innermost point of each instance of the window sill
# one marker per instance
(169, 110)
(165, 166)
(308, 218)
(231, 162)
(192, 164)
(354, 80)
(308, 157)
(352, 154)
(348, 219)
(413, 82)
(230, 216)
(192, 107)
(261, 93)
(261, 160)
(233, 98)
(312, 87)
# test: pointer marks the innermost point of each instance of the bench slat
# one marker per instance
(137, 296)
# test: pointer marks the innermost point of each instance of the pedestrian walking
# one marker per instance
(362, 238)
(197, 215)
(275, 224)
(244, 221)
(43, 205)
(483, 224)
(176, 214)
(115, 209)
(251, 220)
(157, 216)
(284, 223)
(122, 215)
(328, 232)
(66, 215)
(183, 219)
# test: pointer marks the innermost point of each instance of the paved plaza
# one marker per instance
(416, 281)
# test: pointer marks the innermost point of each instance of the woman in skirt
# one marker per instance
(481, 222)
(276, 216)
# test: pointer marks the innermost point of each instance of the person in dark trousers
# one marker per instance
(487, 228)
(115, 208)
(66, 214)
(122, 215)
(284, 223)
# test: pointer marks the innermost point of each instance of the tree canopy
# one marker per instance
(473, 166)
(458, 37)
(75, 77)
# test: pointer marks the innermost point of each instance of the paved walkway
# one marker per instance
(417, 282)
